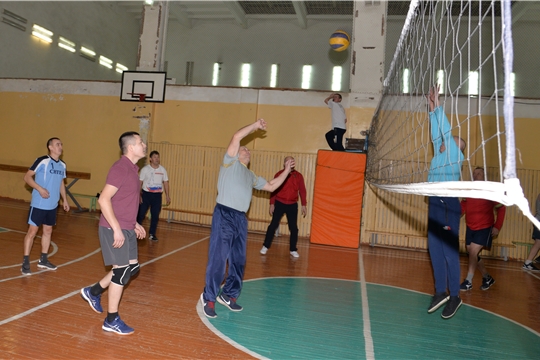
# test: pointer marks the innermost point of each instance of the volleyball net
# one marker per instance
(462, 52)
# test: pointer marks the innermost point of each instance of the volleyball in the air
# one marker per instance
(339, 41)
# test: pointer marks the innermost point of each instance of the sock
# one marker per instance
(470, 277)
(43, 257)
(487, 276)
(111, 316)
(527, 262)
(96, 289)
(26, 260)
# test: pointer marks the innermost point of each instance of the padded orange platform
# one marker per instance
(337, 198)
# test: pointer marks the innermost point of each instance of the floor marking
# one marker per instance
(55, 250)
(59, 266)
(368, 339)
(78, 291)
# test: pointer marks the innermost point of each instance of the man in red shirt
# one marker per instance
(481, 228)
(285, 201)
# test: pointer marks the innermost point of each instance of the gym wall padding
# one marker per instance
(337, 198)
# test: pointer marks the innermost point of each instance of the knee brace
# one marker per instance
(121, 276)
(134, 268)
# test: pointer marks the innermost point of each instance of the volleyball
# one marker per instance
(339, 41)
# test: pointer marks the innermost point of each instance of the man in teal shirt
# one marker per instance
(444, 212)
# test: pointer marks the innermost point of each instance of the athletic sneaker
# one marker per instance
(46, 265)
(25, 269)
(229, 302)
(487, 282)
(153, 237)
(93, 301)
(208, 308)
(117, 326)
(451, 307)
(264, 250)
(530, 267)
(437, 301)
(295, 254)
(466, 285)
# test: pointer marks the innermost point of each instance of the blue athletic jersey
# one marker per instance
(49, 174)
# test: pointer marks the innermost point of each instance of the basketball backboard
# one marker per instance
(148, 86)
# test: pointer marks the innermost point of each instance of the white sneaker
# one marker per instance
(264, 250)
(295, 254)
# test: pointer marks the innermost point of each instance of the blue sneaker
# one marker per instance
(117, 326)
(93, 301)
(208, 308)
(229, 302)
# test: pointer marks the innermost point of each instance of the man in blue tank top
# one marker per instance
(46, 178)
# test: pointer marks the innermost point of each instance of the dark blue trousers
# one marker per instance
(337, 134)
(291, 211)
(228, 240)
(443, 241)
(152, 201)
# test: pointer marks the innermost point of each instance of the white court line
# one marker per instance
(42, 271)
(54, 301)
(55, 250)
(368, 339)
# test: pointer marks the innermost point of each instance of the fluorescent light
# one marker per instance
(244, 80)
(105, 62)
(336, 78)
(306, 76)
(215, 74)
(120, 68)
(66, 44)
(405, 81)
(42, 33)
(87, 53)
(274, 75)
(473, 82)
(149, 2)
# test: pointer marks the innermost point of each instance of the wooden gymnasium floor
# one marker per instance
(330, 303)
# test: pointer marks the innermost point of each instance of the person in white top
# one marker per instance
(154, 181)
(335, 136)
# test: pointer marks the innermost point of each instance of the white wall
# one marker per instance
(262, 44)
(100, 25)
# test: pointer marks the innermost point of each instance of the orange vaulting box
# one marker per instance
(337, 198)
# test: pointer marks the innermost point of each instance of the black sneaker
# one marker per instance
(437, 301)
(229, 302)
(47, 265)
(466, 285)
(487, 282)
(451, 307)
(153, 237)
(537, 260)
(208, 308)
(530, 267)
(25, 269)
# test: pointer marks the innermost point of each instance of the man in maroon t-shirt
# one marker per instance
(118, 231)
(285, 201)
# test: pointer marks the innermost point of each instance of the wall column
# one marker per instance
(150, 56)
(367, 63)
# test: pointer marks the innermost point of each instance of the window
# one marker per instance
(274, 73)
(336, 78)
(405, 81)
(244, 80)
(215, 75)
(440, 81)
(306, 76)
(473, 83)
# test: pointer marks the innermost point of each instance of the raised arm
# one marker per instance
(234, 145)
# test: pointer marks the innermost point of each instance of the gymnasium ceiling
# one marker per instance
(188, 12)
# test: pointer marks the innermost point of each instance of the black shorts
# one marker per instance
(536, 233)
(38, 217)
(481, 237)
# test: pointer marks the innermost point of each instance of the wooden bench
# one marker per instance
(74, 175)
(93, 201)
(504, 249)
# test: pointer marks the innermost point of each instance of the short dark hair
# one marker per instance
(339, 96)
(125, 138)
(153, 152)
(49, 142)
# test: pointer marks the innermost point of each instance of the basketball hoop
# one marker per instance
(142, 97)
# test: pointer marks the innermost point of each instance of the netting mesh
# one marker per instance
(450, 82)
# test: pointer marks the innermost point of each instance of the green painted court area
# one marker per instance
(313, 318)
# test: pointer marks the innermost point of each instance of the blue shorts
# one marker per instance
(38, 217)
(481, 237)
